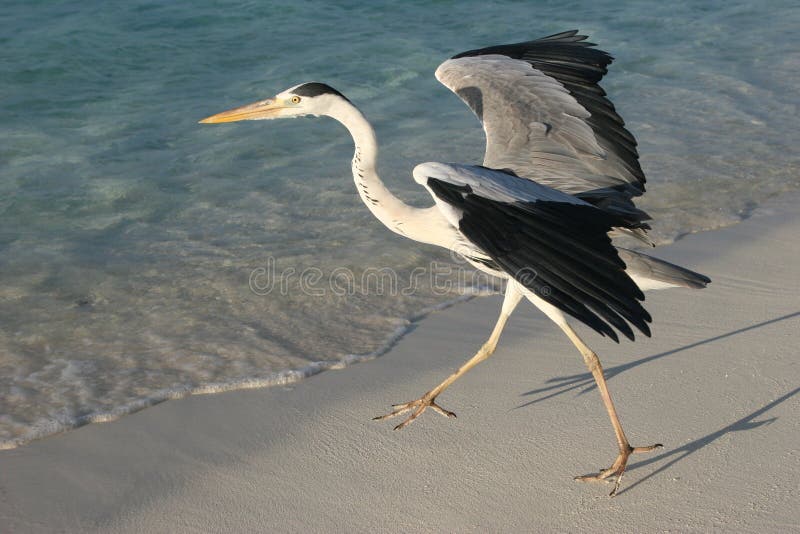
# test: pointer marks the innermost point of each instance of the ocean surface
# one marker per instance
(144, 256)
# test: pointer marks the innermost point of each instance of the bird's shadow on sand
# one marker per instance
(565, 384)
(745, 423)
(586, 381)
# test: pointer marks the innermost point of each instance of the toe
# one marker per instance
(398, 410)
(650, 448)
(406, 422)
(438, 409)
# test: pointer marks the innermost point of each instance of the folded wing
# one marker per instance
(553, 243)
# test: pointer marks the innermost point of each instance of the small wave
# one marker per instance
(63, 422)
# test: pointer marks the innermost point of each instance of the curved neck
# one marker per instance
(389, 209)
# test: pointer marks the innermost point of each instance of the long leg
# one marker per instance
(512, 298)
(625, 449)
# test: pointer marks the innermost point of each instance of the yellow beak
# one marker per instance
(258, 110)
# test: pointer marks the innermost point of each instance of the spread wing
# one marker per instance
(553, 243)
(547, 119)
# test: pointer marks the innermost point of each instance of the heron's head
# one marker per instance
(311, 98)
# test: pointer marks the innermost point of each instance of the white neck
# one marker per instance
(390, 210)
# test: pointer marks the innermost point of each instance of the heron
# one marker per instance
(557, 185)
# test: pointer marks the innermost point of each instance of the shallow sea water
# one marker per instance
(136, 246)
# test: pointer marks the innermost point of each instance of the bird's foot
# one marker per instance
(418, 406)
(618, 468)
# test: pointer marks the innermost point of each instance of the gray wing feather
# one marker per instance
(547, 118)
(533, 125)
(490, 183)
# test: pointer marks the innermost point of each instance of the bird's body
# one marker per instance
(558, 178)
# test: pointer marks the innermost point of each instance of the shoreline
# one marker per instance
(717, 384)
(286, 377)
(53, 427)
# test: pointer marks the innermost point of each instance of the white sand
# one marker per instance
(718, 385)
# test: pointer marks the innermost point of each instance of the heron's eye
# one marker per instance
(295, 100)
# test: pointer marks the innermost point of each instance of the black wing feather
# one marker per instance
(558, 250)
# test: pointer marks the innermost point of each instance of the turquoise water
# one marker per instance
(130, 235)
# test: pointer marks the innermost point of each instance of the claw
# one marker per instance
(618, 468)
(419, 406)
(438, 409)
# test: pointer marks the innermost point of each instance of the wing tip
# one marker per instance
(569, 37)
